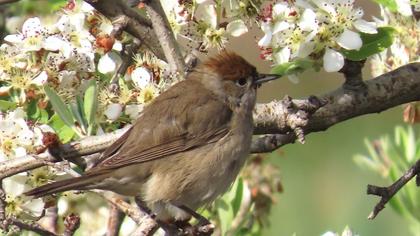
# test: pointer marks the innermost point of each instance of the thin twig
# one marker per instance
(386, 193)
(116, 218)
(138, 25)
(8, 1)
(30, 226)
(145, 223)
(119, 25)
(3, 222)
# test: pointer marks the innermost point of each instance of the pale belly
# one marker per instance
(196, 178)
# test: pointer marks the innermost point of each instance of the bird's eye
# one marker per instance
(241, 82)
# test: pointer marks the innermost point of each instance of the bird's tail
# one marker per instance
(79, 183)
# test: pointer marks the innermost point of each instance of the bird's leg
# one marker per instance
(204, 226)
(143, 207)
(169, 228)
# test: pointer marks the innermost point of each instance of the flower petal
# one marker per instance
(305, 49)
(266, 39)
(236, 28)
(34, 206)
(333, 60)
(113, 111)
(53, 43)
(108, 62)
(326, 6)
(15, 185)
(308, 20)
(14, 38)
(133, 111)
(207, 13)
(282, 56)
(141, 77)
(365, 26)
(280, 26)
(350, 40)
(32, 27)
(404, 7)
(279, 8)
(40, 79)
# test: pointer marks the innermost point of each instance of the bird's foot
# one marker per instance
(203, 228)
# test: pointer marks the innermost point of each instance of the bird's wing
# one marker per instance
(177, 145)
(173, 123)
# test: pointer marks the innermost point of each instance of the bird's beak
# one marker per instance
(262, 78)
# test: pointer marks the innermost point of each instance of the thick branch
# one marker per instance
(386, 193)
(137, 25)
(166, 37)
(386, 91)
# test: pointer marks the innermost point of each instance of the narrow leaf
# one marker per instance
(90, 103)
(7, 105)
(64, 132)
(78, 116)
(59, 107)
(292, 67)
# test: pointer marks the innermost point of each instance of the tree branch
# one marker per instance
(386, 193)
(115, 220)
(386, 91)
(8, 1)
(31, 226)
(137, 25)
(146, 225)
(166, 37)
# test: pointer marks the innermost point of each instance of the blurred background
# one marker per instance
(323, 187)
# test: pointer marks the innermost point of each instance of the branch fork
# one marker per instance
(386, 193)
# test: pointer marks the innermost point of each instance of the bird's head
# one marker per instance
(229, 75)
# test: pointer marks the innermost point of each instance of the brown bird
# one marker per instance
(188, 145)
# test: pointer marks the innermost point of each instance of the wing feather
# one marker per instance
(175, 122)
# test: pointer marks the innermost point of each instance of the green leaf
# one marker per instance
(372, 44)
(7, 105)
(390, 4)
(225, 212)
(77, 114)
(90, 103)
(292, 67)
(35, 113)
(59, 107)
(237, 200)
(64, 132)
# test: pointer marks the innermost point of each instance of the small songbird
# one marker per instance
(188, 145)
